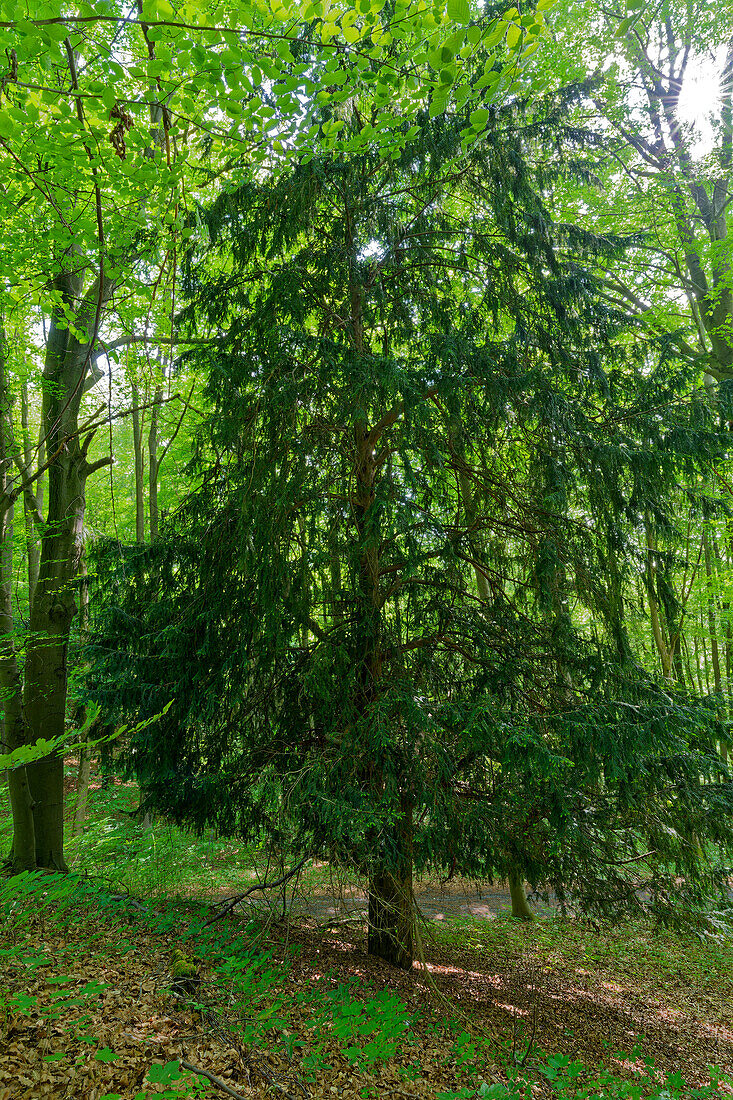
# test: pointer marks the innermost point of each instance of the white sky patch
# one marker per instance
(700, 99)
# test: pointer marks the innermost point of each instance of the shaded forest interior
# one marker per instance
(366, 399)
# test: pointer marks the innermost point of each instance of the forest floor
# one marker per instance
(91, 1006)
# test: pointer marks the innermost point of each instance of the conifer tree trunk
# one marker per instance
(517, 891)
(518, 894)
(391, 903)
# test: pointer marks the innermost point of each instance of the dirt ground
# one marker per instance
(588, 1013)
(436, 901)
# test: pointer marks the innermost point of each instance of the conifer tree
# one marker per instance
(350, 613)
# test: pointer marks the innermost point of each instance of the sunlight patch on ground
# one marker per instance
(435, 968)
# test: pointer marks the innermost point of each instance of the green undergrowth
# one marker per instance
(50, 920)
(162, 860)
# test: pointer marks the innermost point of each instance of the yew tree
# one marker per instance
(371, 617)
(105, 117)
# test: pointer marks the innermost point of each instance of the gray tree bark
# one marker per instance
(154, 466)
(67, 361)
(23, 853)
(33, 545)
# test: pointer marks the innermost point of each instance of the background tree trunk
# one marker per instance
(137, 442)
(154, 466)
(33, 545)
(85, 754)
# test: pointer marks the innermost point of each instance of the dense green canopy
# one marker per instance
(390, 617)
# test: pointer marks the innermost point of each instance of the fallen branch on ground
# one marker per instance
(233, 902)
(214, 1080)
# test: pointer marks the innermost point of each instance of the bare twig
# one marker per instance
(231, 903)
(634, 859)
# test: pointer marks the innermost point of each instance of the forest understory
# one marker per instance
(111, 986)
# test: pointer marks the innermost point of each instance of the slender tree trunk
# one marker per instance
(660, 641)
(686, 648)
(706, 666)
(305, 586)
(145, 816)
(710, 603)
(677, 658)
(722, 568)
(137, 441)
(33, 545)
(83, 778)
(615, 615)
(698, 665)
(85, 753)
(154, 466)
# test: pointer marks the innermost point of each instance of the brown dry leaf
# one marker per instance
(573, 1011)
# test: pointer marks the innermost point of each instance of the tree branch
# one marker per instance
(231, 903)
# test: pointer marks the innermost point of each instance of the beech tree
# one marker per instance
(664, 102)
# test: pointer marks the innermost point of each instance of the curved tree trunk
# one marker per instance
(520, 906)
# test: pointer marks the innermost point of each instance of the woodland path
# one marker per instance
(436, 901)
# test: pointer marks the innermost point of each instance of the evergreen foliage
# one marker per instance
(390, 616)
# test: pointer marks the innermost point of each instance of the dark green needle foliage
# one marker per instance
(385, 617)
